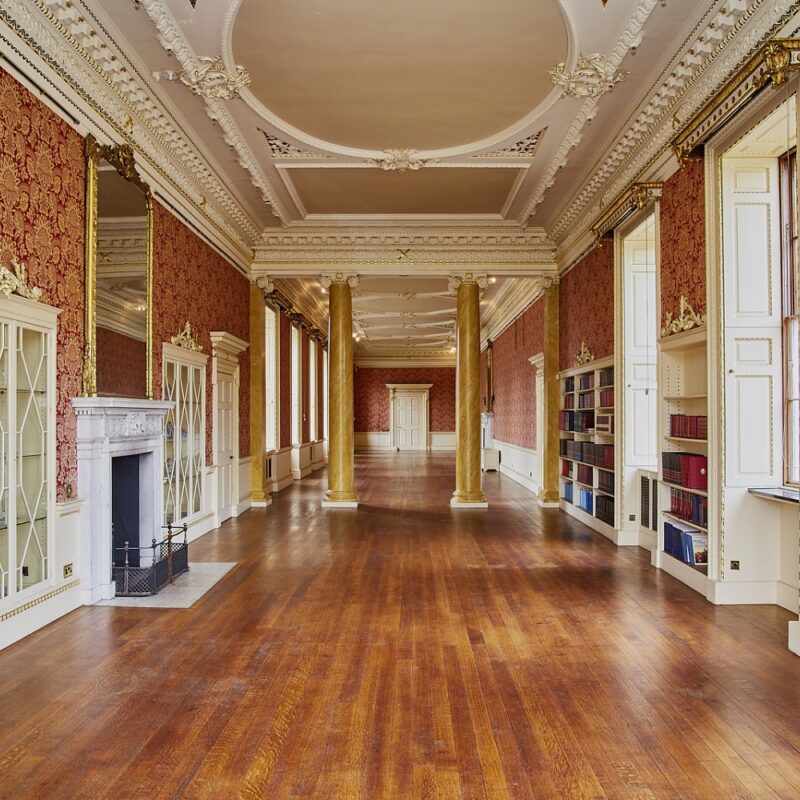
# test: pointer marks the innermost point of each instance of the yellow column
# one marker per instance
(548, 494)
(341, 490)
(468, 493)
(258, 480)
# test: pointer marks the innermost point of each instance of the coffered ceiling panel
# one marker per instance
(439, 191)
(417, 74)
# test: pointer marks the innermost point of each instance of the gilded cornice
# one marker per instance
(636, 197)
(711, 53)
(88, 70)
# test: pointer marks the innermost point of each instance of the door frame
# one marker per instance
(225, 349)
(421, 390)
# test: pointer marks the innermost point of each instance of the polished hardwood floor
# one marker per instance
(407, 651)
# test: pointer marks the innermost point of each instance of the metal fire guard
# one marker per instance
(170, 558)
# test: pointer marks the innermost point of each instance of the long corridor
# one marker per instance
(405, 650)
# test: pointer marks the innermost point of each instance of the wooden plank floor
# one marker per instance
(407, 651)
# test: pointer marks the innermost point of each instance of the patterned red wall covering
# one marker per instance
(191, 281)
(586, 306)
(305, 383)
(41, 223)
(321, 399)
(483, 397)
(121, 364)
(371, 397)
(514, 378)
(683, 239)
(285, 379)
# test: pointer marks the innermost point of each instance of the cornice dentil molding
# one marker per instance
(71, 41)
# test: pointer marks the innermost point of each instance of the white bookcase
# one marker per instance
(588, 478)
(27, 447)
(683, 391)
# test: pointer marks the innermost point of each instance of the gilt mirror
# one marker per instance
(119, 267)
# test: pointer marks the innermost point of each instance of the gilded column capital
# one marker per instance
(457, 278)
(266, 284)
(549, 281)
(327, 279)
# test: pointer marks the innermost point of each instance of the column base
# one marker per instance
(339, 500)
(464, 500)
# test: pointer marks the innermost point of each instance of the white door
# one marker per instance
(409, 433)
(227, 429)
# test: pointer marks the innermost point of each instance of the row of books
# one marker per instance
(586, 400)
(566, 468)
(569, 384)
(577, 421)
(585, 474)
(586, 500)
(568, 492)
(586, 382)
(569, 401)
(606, 398)
(607, 376)
(688, 506)
(688, 426)
(599, 455)
(604, 509)
(605, 481)
(685, 543)
(689, 470)
(604, 423)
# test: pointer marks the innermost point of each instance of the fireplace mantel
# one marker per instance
(109, 427)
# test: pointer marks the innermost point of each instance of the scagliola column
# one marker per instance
(259, 487)
(548, 493)
(468, 493)
(341, 489)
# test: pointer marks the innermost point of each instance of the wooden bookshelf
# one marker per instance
(591, 501)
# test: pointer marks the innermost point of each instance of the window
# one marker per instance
(312, 390)
(297, 402)
(271, 378)
(791, 318)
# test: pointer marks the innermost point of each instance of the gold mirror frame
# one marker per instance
(122, 159)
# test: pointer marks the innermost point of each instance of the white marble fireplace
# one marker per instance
(109, 427)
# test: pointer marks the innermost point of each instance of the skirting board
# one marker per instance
(519, 478)
(794, 637)
(621, 538)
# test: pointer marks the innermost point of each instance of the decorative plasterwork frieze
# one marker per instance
(524, 148)
(104, 84)
(772, 64)
(401, 161)
(635, 198)
(583, 356)
(15, 281)
(711, 52)
(685, 320)
(592, 77)
(187, 339)
(209, 78)
(278, 149)
(173, 41)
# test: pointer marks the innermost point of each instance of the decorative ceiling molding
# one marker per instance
(209, 78)
(292, 301)
(772, 64)
(592, 77)
(513, 299)
(173, 41)
(437, 251)
(278, 149)
(630, 39)
(524, 148)
(710, 54)
(94, 75)
(401, 161)
(636, 197)
(399, 360)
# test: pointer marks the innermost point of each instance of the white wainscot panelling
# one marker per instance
(372, 440)
(57, 597)
(245, 496)
(279, 469)
(317, 454)
(301, 460)
(442, 440)
(520, 464)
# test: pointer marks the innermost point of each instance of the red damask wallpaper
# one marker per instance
(683, 239)
(586, 306)
(371, 397)
(191, 281)
(41, 223)
(514, 378)
(305, 348)
(321, 356)
(121, 364)
(285, 389)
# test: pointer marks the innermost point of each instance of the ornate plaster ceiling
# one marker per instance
(418, 74)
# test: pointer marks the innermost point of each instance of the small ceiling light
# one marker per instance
(492, 280)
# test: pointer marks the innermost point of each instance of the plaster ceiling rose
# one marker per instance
(592, 77)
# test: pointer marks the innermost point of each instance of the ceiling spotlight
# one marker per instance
(492, 280)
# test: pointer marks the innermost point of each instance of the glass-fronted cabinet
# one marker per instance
(184, 383)
(27, 445)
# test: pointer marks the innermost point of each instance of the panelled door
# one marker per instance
(226, 431)
(408, 422)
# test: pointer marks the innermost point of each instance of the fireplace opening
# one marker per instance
(125, 511)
